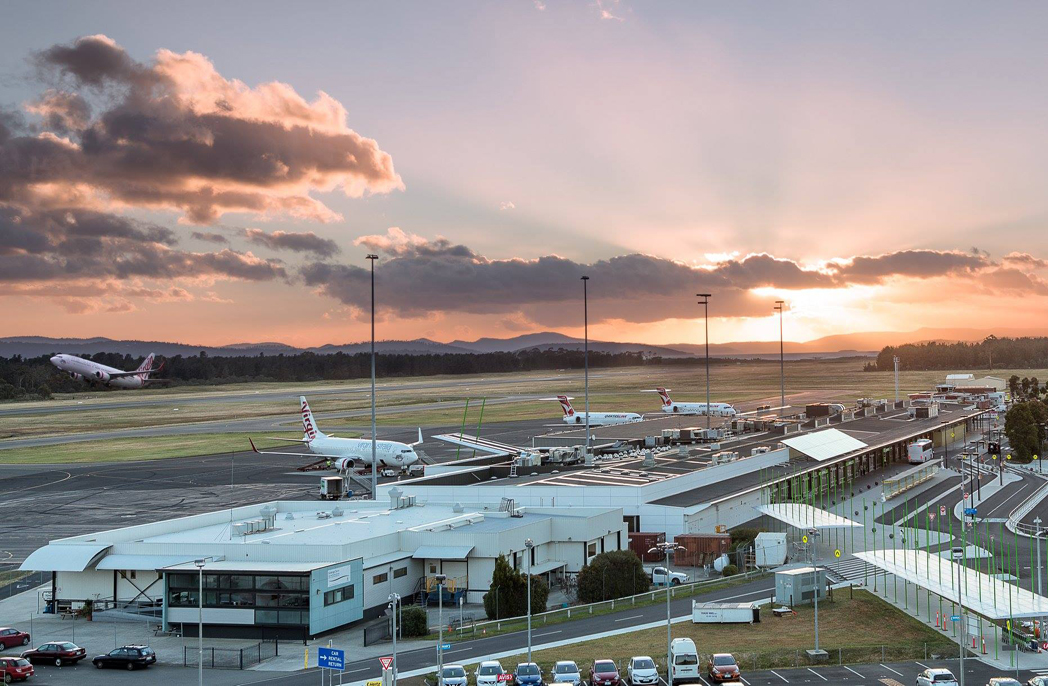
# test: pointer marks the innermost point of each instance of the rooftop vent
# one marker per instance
(337, 512)
(289, 516)
(457, 508)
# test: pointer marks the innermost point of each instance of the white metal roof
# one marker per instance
(804, 516)
(142, 561)
(68, 557)
(825, 444)
(442, 552)
(548, 566)
(244, 566)
(992, 598)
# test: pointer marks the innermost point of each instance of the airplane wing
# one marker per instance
(117, 375)
(477, 443)
(767, 409)
(289, 440)
(273, 452)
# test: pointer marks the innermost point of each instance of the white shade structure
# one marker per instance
(804, 516)
(824, 445)
(982, 594)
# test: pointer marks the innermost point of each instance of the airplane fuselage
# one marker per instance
(714, 409)
(601, 418)
(347, 453)
(93, 372)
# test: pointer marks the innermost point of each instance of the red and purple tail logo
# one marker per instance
(565, 405)
(665, 396)
(307, 422)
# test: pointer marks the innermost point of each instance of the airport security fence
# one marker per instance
(232, 658)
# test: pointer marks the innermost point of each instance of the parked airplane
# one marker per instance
(346, 454)
(595, 418)
(714, 409)
(93, 372)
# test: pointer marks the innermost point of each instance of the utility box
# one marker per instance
(798, 586)
(770, 549)
(332, 488)
(725, 613)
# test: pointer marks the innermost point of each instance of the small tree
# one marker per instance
(506, 595)
(1022, 431)
(614, 574)
(415, 621)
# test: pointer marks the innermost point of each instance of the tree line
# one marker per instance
(989, 353)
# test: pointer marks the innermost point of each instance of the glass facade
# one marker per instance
(276, 599)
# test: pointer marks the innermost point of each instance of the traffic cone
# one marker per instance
(936, 620)
(974, 646)
(984, 645)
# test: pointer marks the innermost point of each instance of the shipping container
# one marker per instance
(700, 549)
(725, 613)
(641, 542)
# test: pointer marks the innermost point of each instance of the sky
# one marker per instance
(217, 173)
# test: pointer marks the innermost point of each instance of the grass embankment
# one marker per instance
(135, 449)
(858, 627)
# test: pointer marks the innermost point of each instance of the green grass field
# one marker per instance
(133, 449)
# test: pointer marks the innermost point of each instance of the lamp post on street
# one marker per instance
(705, 302)
(200, 622)
(441, 578)
(814, 534)
(779, 304)
(667, 549)
(585, 354)
(394, 603)
(374, 438)
(529, 544)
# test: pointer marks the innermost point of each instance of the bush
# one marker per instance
(730, 570)
(614, 574)
(507, 597)
(415, 621)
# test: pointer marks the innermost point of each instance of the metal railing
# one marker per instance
(908, 479)
(232, 658)
(656, 594)
(1015, 522)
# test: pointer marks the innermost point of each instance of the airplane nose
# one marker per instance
(56, 359)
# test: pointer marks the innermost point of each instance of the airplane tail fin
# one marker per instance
(309, 426)
(565, 405)
(664, 394)
(147, 364)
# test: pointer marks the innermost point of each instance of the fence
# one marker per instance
(232, 658)
(562, 614)
(1015, 522)
(908, 479)
(380, 630)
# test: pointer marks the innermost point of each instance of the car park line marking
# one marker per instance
(744, 681)
(703, 681)
(628, 618)
(817, 674)
(548, 633)
(891, 670)
(853, 671)
(779, 675)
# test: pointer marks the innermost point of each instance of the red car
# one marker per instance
(604, 673)
(15, 669)
(9, 638)
(57, 652)
(723, 667)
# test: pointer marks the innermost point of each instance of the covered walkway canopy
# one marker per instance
(981, 593)
(804, 516)
(824, 445)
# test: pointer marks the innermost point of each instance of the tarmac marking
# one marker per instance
(891, 670)
(817, 674)
(779, 675)
(853, 671)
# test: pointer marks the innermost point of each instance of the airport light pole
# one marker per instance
(779, 304)
(374, 436)
(960, 599)
(585, 329)
(441, 578)
(200, 622)
(667, 548)
(814, 534)
(705, 302)
(394, 603)
(529, 544)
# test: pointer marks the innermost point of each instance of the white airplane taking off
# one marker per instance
(93, 372)
(714, 409)
(595, 418)
(347, 453)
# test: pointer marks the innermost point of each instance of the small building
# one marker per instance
(299, 569)
(797, 586)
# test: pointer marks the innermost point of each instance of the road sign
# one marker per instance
(942, 510)
(446, 646)
(804, 539)
(836, 553)
(970, 511)
(332, 658)
(955, 618)
(374, 682)
(966, 495)
(386, 662)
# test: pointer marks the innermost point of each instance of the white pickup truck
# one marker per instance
(660, 576)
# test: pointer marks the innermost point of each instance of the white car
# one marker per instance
(936, 677)
(641, 670)
(453, 675)
(566, 672)
(660, 576)
(488, 673)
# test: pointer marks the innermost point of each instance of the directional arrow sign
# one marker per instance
(386, 662)
(955, 618)
(446, 646)
(970, 511)
(836, 553)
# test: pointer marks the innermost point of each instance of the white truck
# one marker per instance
(660, 576)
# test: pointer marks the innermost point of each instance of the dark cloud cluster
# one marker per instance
(306, 241)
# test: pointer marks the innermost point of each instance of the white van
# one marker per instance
(685, 661)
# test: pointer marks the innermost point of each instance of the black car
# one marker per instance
(127, 657)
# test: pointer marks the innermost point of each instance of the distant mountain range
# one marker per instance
(830, 346)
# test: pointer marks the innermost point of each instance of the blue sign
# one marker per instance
(332, 658)
(446, 646)
(970, 511)
(955, 618)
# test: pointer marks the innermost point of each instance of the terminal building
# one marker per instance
(293, 570)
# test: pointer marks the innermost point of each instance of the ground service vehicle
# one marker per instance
(453, 675)
(936, 676)
(604, 673)
(684, 661)
(723, 667)
(332, 487)
(57, 652)
(9, 638)
(128, 657)
(15, 669)
(919, 452)
(641, 670)
(527, 674)
(488, 673)
(660, 576)
(566, 672)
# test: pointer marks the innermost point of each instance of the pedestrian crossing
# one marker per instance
(849, 569)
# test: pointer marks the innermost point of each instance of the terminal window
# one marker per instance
(278, 599)
(338, 595)
(397, 573)
(380, 578)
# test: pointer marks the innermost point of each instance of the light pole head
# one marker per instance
(200, 563)
(584, 278)
(529, 544)
(371, 256)
(441, 578)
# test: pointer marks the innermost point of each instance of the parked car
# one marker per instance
(604, 673)
(453, 675)
(1038, 681)
(9, 638)
(15, 669)
(57, 652)
(660, 576)
(488, 673)
(566, 672)
(723, 667)
(528, 674)
(1003, 681)
(641, 670)
(936, 676)
(128, 657)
